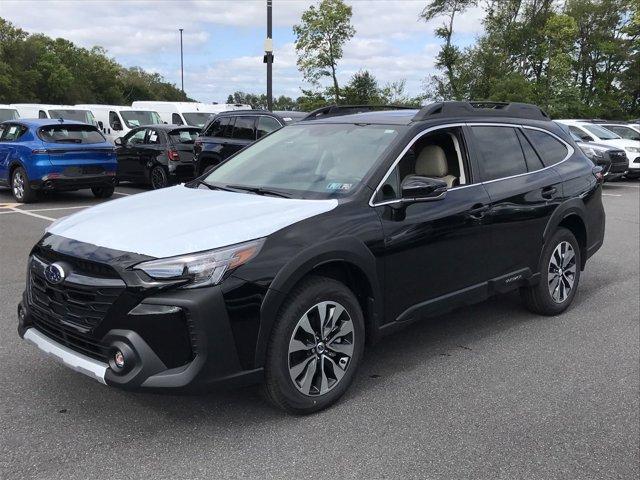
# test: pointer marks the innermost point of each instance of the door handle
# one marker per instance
(549, 192)
(478, 210)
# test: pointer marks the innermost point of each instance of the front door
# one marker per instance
(434, 251)
(128, 153)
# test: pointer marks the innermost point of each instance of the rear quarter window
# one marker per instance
(70, 134)
(550, 149)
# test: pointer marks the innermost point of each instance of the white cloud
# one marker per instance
(391, 41)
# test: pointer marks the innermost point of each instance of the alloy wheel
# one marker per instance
(18, 184)
(562, 272)
(158, 178)
(321, 348)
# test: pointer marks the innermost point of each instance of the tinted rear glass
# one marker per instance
(185, 135)
(550, 149)
(70, 134)
(500, 151)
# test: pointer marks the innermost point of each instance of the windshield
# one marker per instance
(308, 160)
(601, 133)
(184, 135)
(8, 114)
(70, 134)
(197, 119)
(138, 118)
(84, 116)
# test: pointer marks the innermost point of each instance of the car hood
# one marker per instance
(598, 146)
(179, 220)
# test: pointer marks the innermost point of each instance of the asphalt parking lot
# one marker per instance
(488, 392)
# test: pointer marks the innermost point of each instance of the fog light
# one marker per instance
(118, 359)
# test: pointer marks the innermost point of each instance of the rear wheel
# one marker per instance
(560, 275)
(315, 347)
(103, 191)
(21, 188)
(158, 177)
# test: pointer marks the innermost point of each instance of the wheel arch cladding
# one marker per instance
(345, 259)
(570, 215)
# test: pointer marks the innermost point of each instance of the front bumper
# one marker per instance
(175, 340)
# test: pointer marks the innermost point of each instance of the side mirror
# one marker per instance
(118, 142)
(587, 138)
(419, 189)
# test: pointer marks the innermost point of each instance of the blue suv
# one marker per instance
(46, 154)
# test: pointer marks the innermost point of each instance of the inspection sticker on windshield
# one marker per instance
(339, 186)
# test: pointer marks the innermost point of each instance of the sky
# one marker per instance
(224, 39)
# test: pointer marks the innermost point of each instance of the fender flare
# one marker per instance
(574, 206)
(14, 163)
(347, 250)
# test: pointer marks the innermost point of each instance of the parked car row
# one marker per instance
(601, 140)
(151, 152)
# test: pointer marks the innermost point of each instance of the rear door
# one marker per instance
(5, 149)
(523, 193)
(152, 149)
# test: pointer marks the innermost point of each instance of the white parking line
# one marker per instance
(121, 193)
(610, 195)
(27, 212)
(53, 208)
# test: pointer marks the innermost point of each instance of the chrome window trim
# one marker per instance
(570, 152)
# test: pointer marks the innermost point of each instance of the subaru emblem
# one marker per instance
(54, 273)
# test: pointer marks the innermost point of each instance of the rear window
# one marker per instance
(70, 134)
(139, 118)
(186, 135)
(550, 149)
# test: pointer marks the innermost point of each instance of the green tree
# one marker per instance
(320, 37)
(362, 89)
(449, 56)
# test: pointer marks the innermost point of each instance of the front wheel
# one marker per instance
(20, 186)
(560, 275)
(103, 191)
(158, 177)
(315, 347)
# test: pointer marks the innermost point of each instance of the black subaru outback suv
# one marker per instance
(280, 264)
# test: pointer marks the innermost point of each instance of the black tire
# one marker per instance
(103, 191)
(158, 177)
(21, 188)
(546, 297)
(279, 387)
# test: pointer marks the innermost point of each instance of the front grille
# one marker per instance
(79, 265)
(69, 337)
(79, 301)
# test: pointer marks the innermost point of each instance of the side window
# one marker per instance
(533, 160)
(244, 128)
(135, 137)
(581, 134)
(216, 129)
(114, 121)
(42, 114)
(266, 125)
(500, 152)
(176, 119)
(550, 149)
(228, 128)
(13, 132)
(153, 137)
(441, 155)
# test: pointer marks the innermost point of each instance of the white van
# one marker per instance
(66, 112)
(194, 114)
(7, 112)
(117, 120)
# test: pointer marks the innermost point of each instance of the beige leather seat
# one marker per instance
(432, 163)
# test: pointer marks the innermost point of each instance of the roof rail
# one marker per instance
(481, 108)
(337, 110)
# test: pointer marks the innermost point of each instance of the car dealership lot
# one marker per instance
(490, 391)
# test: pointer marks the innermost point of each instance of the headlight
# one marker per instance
(592, 153)
(204, 268)
(633, 149)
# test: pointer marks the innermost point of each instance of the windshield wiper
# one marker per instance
(260, 190)
(210, 186)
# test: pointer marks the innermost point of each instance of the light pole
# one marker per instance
(268, 57)
(181, 62)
